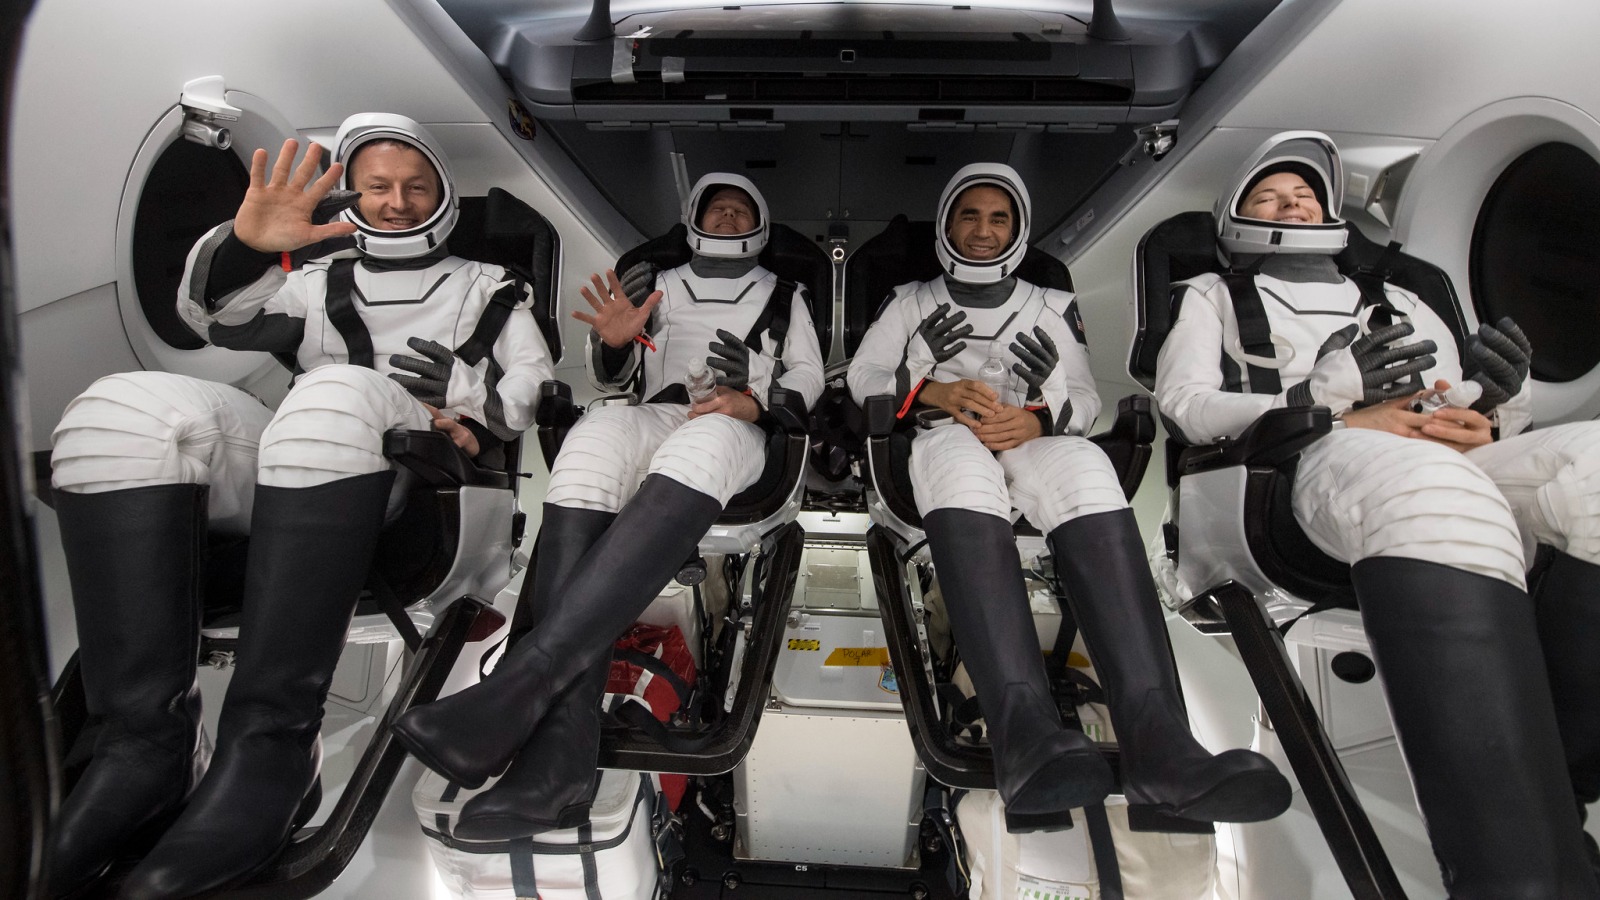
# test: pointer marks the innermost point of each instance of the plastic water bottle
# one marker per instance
(702, 383)
(993, 371)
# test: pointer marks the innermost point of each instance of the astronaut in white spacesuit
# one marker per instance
(1019, 443)
(388, 332)
(1437, 511)
(631, 494)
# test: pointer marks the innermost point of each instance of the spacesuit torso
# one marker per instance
(730, 295)
(889, 362)
(1202, 383)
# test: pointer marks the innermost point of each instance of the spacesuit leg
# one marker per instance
(472, 735)
(1069, 489)
(1552, 479)
(137, 457)
(324, 491)
(1437, 567)
(1043, 770)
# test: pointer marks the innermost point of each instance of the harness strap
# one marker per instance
(342, 312)
(502, 304)
(1255, 332)
(774, 318)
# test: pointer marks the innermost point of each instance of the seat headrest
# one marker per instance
(905, 252)
(502, 230)
(1185, 245)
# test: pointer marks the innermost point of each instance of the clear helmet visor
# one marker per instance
(366, 129)
(1311, 157)
(1003, 264)
(718, 242)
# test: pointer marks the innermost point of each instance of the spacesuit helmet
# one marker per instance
(364, 128)
(986, 271)
(724, 246)
(1308, 154)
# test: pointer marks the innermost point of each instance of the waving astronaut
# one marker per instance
(1436, 515)
(631, 494)
(391, 332)
(1020, 444)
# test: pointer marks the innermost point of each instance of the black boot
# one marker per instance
(1461, 666)
(472, 735)
(310, 549)
(1566, 601)
(1042, 769)
(136, 561)
(1101, 563)
(552, 781)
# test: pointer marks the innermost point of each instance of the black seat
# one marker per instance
(1276, 556)
(761, 516)
(410, 588)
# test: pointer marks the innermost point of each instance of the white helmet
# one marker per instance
(987, 271)
(363, 128)
(725, 246)
(1309, 154)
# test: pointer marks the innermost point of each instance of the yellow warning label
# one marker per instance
(858, 656)
(801, 644)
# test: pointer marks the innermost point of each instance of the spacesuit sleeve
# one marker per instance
(801, 366)
(523, 358)
(1189, 369)
(239, 298)
(1070, 398)
(610, 368)
(884, 364)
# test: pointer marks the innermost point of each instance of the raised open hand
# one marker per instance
(278, 215)
(616, 319)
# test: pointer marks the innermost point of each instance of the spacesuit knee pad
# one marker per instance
(951, 469)
(331, 427)
(137, 429)
(596, 467)
(1056, 479)
(1368, 494)
(719, 456)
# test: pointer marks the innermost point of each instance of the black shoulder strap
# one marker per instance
(1370, 281)
(342, 312)
(523, 880)
(775, 318)
(1255, 332)
(502, 304)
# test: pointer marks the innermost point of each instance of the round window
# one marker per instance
(189, 190)
(1536, 257)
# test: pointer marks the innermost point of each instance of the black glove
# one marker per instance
(1498, 358)
(431, 382)
(639, 281)
(732, 360)
(1352, 371)
(942, 334)
(1039, 359)
(326, 210)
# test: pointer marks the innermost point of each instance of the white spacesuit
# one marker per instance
(631, 494)
(146, 462)
(1066, 487)
(1438, 535)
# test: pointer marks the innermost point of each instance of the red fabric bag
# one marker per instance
(658, 692)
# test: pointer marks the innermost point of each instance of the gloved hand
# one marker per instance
(1352, 371)
(732, 360)
(441, 378)
(942, 333)
(326, 210)
(639, 281)
(1038, 359)
(1498, 358)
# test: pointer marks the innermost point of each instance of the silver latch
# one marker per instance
(207, 114)
(1157, 140)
